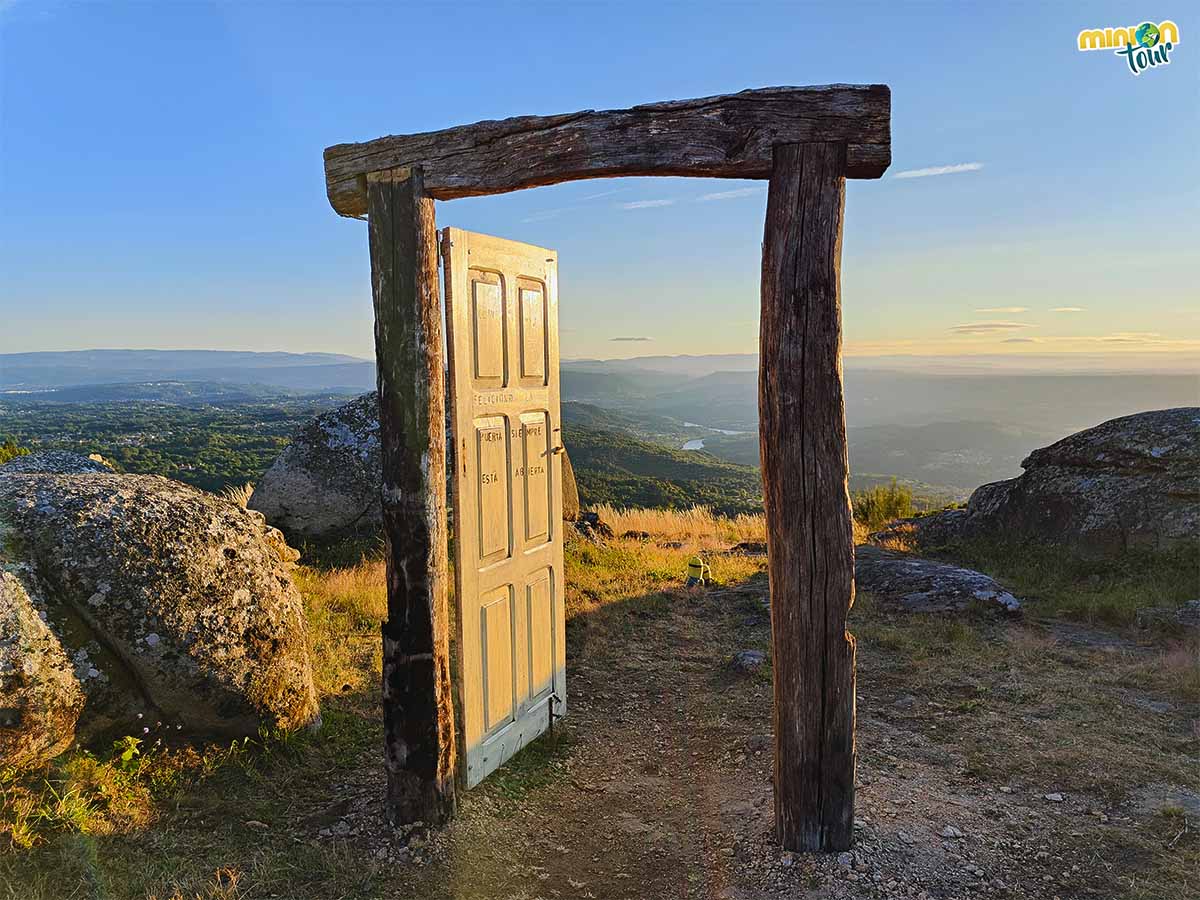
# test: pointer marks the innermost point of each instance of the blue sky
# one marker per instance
(161, 179)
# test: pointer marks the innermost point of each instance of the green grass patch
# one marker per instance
(1107, 591)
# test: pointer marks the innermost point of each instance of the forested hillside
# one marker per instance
(625, 471)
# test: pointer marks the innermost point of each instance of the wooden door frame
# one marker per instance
(806, 141)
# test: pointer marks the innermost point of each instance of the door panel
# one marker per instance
(535, 467)
(497, 651)
(492, 495)
(532, 298)
(502, 337)
(539, 597)
(489, 349)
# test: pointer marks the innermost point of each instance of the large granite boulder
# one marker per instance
(1131, 483)
(570, 490)
(40, 698)
(175, 606)
(326, 483)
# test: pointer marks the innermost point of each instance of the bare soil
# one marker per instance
(659, 783)
(997, 757)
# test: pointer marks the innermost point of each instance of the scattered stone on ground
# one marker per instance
(589, 525)
(922, 585)
(1155, 798)
(176, 607)
(1093, 638)
(748, 661)
(1129, 483)
(750, 548)
(1186, 616)
(916, 584)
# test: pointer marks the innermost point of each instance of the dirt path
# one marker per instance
(659, 785)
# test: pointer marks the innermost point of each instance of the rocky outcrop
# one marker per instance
(174, 605)
(1131, 483)
(570, 491)
(923, 585)
(326, 483)
(40, 698)
(53, 462)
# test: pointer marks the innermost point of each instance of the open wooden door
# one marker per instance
(502, 318)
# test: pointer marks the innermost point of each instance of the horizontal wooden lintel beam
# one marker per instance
(729, 136)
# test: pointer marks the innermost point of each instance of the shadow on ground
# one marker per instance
(994, 760)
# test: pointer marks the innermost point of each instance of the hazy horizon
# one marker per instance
(1179, 363)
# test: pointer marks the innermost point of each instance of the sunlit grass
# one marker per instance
(344, 607)
(698, 524)
(239, 494)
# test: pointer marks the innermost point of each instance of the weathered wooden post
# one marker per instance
(802, 436)
(419, 753)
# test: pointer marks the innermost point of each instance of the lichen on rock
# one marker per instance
(1129, 484)
(171, 602)
(326, 482)
(40, 697)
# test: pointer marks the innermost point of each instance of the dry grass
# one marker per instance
(698, 527)
(224, 886)
(902, 538)
(239, 495)
(1010, 703)
(118, 792)
(699, 524)
(344, 607)
(861, 531)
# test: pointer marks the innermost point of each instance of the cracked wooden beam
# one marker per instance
(728, 136)
(810, 542)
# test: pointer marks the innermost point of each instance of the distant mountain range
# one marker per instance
(307, 372)
(950, 429)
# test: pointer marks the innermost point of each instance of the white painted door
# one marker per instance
(502, 337)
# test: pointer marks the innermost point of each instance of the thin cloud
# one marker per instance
(604, 194)
(631, 339)
(1020, 341)
(729, 195)
(1003, 309)
(1133, 337)
(645, 204)
(1068, 309)
(555, 212)
(547, 214)
(940, 170)
(989, 327)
